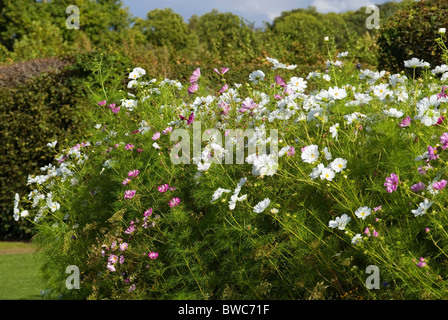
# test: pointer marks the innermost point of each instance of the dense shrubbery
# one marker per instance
(359, 179)
(41, 101)
(410, 33)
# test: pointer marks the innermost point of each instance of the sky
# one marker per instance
(256, 11)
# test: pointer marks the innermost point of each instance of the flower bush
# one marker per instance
(355, 177)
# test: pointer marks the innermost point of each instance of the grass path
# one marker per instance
(18, 272)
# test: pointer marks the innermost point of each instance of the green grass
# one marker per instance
(18, 272)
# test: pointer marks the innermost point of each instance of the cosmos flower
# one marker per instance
(439, 185)
(363, 212)
(418, 187)
(310, 153)
(133, 173)
(256, 76)
(153, 255)
(129, 194)
(340, 222)
(391, 183)
(174, 202)
(262, 205)
(405, 122)
(195, 76)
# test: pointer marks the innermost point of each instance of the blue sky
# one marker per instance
(252, 10)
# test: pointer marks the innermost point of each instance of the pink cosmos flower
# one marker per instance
(133, 173)
(129, 147)
(163, 188)
(195, 76)
(442, 94)
(291, 151)
(280, 81)
(224, 88)
(126, 181)
(224, 106)
(418, 187)
(377, 208)
(147, 212)
(102, 103)
(247, 105)
(174, 202)
(111, 267)
(112, 105)
(439, 185)
(223, 70)
(129, 194)
(190, 119)
(116, 110)
(132, 288)
(405, 122)
(169, 129)
(375, 233)
(367, 231)
(139, 150)
(112, 259)
(123, 246)
(432, 153)
(130, 229)
(156, 136)
(288, 90)
(440, 121)
(444, 140)
(121, 260)
(193, 88)
(391, 183)
(421, 263)
(153, 255)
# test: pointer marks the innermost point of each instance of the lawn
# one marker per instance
(18, 272)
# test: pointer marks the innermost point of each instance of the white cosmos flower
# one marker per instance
(440, 69)
(392, 112)
(371, 76)
(52, 144)
(357, 239)
(427, 109)
(317, 171)
(327, 153)
(24, 213)
(129, 104)
(262, 205)
(338, 164)
(137, 73)
(422, 208)
(256, 76)
(218, 193)
(340, 222)
(363, 212)
(279, 65)
(334, 130)
(327, 174)
(326, 77)
(310, 153)
(415, 63)
(297, 84)
(337, 93)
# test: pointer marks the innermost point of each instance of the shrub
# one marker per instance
(410, 32)
(43, 100)
(341, 197)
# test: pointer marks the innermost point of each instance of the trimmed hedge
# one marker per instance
(42, 101)
(411, 32)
